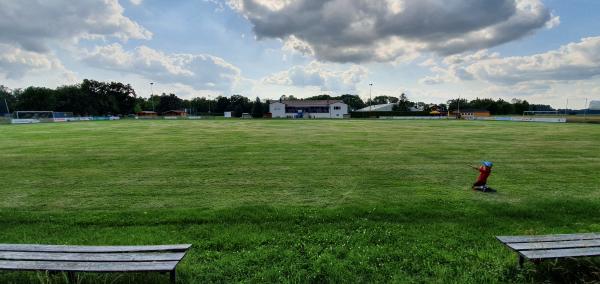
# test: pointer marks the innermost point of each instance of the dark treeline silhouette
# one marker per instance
(88, 98)
(92, 97)
(498, 107)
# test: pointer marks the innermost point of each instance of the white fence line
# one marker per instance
(524, 119)
(489, 118)
(24, 121)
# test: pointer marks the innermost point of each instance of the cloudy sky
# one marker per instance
(544, 51)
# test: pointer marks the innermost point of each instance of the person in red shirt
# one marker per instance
(485, 170)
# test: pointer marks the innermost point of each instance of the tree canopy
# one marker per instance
(92, 97)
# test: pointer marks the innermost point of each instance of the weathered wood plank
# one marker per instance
(64, 248)
(548, 238)
(555, 245)
(158, 266)
(560, 253)
(92, 257)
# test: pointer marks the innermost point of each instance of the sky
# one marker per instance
(543, 51)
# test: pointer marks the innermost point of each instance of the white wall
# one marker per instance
(338, 110)
(277, 109)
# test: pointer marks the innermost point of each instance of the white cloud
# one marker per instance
(572, 62)
(32, 31)
(16, 63)
(200, 71)
(320, 75)
(575, 61)
(136, 2)
(364, 30)
(34, 25)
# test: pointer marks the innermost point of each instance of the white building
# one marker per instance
(594, 105)
(308, 109)
(381, 107)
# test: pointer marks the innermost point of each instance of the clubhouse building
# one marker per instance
(308, 109)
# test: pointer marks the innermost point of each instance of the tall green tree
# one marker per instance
(403, 103)
(7, 100)
(169, 102)
(354, 102)
(221, 105)
(37, 99)
(257, 108)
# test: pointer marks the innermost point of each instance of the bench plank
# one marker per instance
(102, 249)
(559, 253)
(548, 238)
(157, 266)
(92, 257)
(555, 245)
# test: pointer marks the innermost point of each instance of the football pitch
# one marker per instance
(303, 201)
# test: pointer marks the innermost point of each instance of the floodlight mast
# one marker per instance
(8, 110)
(370, 100)
(152, 94)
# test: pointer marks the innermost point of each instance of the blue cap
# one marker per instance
(487, 164)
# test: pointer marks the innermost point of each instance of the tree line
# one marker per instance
(92, 98)
(497, 107)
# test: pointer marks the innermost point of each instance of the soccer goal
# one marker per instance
(32, 116)
(547, 113)
(544, 116)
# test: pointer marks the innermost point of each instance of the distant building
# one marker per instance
(416, 108)
(146, 114)
(381, 107)
(467, 113)
(308, 109)
(174, 113)
(594, 105)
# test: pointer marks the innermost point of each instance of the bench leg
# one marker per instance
(521, 261)
(72, 277)
(173, 276)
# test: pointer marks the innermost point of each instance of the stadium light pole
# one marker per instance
(152, 94)
(370, 100)
(458, 106)
(208, 105)
(8, 110)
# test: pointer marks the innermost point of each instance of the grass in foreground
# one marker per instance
(302, 201)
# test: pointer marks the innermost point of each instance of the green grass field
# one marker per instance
(303, 201)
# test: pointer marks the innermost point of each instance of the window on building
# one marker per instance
(337, 107)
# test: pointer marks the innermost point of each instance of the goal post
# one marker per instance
(544, 116)
(544, 113)
(29, 116)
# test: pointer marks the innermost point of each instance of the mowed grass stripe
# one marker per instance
(301, 201)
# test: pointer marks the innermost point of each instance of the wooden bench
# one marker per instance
(538, 248)
(72, 259)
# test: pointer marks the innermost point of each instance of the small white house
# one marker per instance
(308, 109)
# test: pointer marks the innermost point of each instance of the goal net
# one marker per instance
(548, 113)
(34, 115)
(544, 116)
